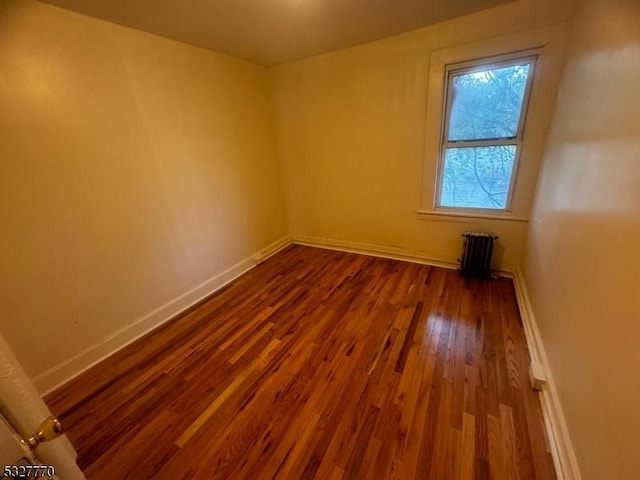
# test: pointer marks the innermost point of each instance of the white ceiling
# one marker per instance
(270, 32)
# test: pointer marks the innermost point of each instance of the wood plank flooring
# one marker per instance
(319, 364)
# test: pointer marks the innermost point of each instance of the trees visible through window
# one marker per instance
(485, 111)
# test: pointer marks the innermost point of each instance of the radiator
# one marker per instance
(476, 254)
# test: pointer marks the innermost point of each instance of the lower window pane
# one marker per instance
(477, 177)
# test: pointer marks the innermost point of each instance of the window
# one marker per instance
(484, 117)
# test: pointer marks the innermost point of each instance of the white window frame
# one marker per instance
(530, 57)
(551, 42)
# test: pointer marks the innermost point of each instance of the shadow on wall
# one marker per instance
(582, 272)
(498, 254)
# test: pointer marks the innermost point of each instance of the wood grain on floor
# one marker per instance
(319, 364)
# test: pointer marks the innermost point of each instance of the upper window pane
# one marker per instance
(486, 104)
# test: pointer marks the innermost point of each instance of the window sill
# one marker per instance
(425, 214)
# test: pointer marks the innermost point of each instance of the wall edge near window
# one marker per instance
(425, 214)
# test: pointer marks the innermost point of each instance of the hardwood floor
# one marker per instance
(320, 364)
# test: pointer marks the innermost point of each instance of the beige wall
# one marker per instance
(133, 168)
(351, 134)
(582, 262)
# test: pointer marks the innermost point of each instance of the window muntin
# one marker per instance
(485, 110)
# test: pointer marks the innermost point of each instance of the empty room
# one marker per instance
(320, 239)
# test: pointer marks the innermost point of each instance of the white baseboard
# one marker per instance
(394, 253)
(562, 450)
(79, 363)
(383, 251)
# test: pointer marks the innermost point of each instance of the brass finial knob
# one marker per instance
(48, 430)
